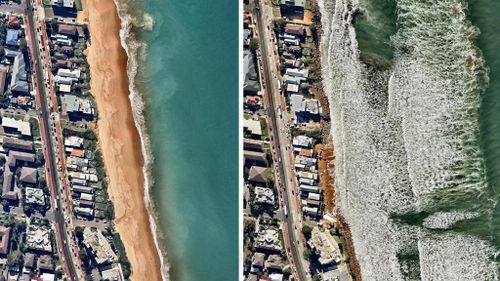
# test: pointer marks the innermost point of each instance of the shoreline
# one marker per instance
(122, 142)
(354, 266)
(137, 109)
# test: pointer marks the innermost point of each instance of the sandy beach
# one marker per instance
(119, 138)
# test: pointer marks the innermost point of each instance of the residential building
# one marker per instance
(70, 4)
(267, 239)
(338, 274)
(14, 22)
(99, 246)
(250, 83)
(77, 108)
(38, 238)
(264, 195)
(82, 189)
(309, 188)
(254, 157)
(67, 29)
(73, 141)
(293, 9)
(28, 175)
(73, 74)
(253, 128)
(295, 29)
(325, 246)
(18, 82)
(8, 190)
(4, 240)
(45, 263)
(83, 211)
(302, 141)
(29, 261)
(48, 277)
(12, 37)
(253, 145)
(259, 174)
(14, 126)
(19, 158)
(274, 263)
(34, 196)
(3, 76)
(258, 262)
(113, 273)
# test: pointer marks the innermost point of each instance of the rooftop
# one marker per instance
(38, 238)
(67, 29)
(252, 126)
(113, 274)
(268, 238)
(295, 3)
(325, 246)
(12, 37)
(35, 196)
(264, 195)
(23, 127)
(99, 245)
(18, 81)
(4, 239)
(302, 141)
(28, 175)
(258, 174)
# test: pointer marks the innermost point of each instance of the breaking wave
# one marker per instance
(406, 141)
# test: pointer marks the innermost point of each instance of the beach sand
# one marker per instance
(119, 139)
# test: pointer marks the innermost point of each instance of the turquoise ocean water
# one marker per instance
(188, 79)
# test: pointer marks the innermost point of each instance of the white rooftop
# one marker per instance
(22, 126)
(253, 126)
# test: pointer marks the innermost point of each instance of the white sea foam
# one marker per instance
(406, 138)
(132, 46)
(461, 261)
(446, 220)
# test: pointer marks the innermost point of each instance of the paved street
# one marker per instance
(53, 175)
(281, 141)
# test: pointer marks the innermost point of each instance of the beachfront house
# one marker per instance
(293, 9)
(77, 108)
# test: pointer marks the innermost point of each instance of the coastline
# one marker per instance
(329, 179)
(121, 140)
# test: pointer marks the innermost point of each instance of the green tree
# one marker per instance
(82, 254)
(79, 233)
(15, 258)
(317, 277)
(248, 227)
(307, 254)
(254, 44)
(307, 230)
(110, 211)
(279, 24)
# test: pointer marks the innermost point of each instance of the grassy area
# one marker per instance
(78, 5)
(35, 128)
(307, 5)
(122, 256)
(275, 2)
(47, 3)
(263, 125)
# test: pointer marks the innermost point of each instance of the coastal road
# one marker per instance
(281, 141)
(49, 145)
